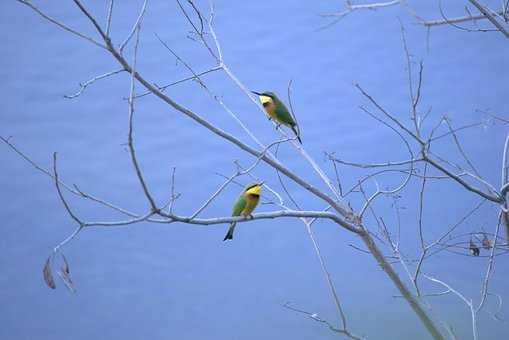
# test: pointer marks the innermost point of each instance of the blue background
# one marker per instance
(152, 281)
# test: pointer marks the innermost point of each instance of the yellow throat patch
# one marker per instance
(265, 99)
(268, 105)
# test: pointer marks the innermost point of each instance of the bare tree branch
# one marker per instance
(457, 20)
(349, 8)
(315, 317)
(465, 300)
(130, 141)
(505, 187)
(57, 185)
(135, 27)
(489, 15)
(110, 14)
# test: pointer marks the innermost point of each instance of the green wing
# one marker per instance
(239, 206)
(283, 115)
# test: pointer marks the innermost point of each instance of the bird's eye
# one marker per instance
(266, 104)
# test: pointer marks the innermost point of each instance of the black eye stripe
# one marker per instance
(252, 186)
(266, 104)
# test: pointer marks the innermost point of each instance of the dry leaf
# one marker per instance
(486, 244)
(65, 267)
(48, 276)
(64, 274)
(67, 280)
(474, 249)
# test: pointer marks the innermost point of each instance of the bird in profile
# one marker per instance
(245, 204)
(277, 110)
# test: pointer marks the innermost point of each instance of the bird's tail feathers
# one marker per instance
(229, 234)
(296, 133)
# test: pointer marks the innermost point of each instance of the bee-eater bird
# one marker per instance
(245, 204)
(277, 111)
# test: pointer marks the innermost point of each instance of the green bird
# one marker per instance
(277, 110)
(245, 204)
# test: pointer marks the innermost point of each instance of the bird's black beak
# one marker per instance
(257, 93)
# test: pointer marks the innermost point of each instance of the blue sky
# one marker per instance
(160, 281)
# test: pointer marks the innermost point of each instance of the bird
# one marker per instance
(277, 110)
(245, 204)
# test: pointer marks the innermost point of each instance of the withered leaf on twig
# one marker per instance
(474, 249)
(65, 267)
(486, 244)
(64, 274)
(48, 276)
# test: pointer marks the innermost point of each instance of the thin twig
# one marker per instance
(108, 21)
(62, 198)
(491, 264)
(135, 26)
(488, 14)
(193, 77)
(315, 317)
(439, 22)
(465, 300)
(130, 141)
(84, 85)
(59, 24)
